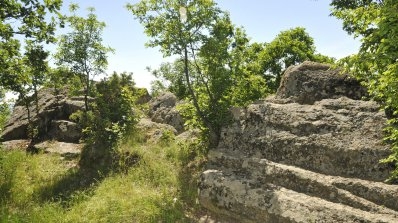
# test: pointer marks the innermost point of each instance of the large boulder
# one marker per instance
(51, 108)
(65, 149)
(162, 110)
(312, 161)
(311, 81)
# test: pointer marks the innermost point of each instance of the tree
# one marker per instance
(109, 120)
(4, 109)
(376, 64)
(81, 50)
(37, 68)
(290, 47)
(169, 77)
(27, 20)
(208, 45)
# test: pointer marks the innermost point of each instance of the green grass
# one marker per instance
(159, 187)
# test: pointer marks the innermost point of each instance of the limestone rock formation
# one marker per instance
(303, 156)
(310, 82)
(52, 121)
(65, 131)
(154, 131)
(53, 110)
(162, 110)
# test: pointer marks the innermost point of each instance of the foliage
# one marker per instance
(109, 120)
(4, 109)
(210, 50)
(81, 50)
(37, 67)
(376, 63)
(60, 77)
(169, 77)
(26, 20)
(290, 47)
(24, 72)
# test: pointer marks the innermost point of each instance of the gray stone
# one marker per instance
(144, 96)
(162, 110)
(63, 148)
(166, 99)
(72, 106)
(310, 82)
(153, 131)
(15, 144)
(302, 157)
(64, 131)
(51, 107)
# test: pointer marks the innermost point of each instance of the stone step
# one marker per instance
(251, 201)
(340, 137)
(360, 194)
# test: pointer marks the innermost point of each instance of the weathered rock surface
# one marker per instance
(302, 158)
(162, 110)
(67, 150)
(64, 131)
(15, 144)
(155, 131)
(310, 82)
(52, 108)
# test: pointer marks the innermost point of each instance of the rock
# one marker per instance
(67, 150)
(166, 100)
(143, 97)
(15, 144)
(51, 108)
(154, 132)
(189, 136)
(64, 131)
(310, 82)
(162, 110)
(283, 161)
(71, 106)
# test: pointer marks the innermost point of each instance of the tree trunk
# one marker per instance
(87, 91)
(214, 133)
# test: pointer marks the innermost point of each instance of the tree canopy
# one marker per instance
(26, 20)
(81, 50)
(210, 48)
(290, 47)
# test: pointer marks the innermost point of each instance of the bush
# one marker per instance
(111, 117)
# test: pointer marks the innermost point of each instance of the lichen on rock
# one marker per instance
(309, 154)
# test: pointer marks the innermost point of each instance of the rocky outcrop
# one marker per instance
(56, 133)
(303, 156)
(64, 131)
(162, 110)
(52, 119)
(310, 82)
(153, 131)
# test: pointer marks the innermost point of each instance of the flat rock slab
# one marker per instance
(15, 144)
(63, 148)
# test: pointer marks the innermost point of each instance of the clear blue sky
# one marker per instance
(262, 20)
